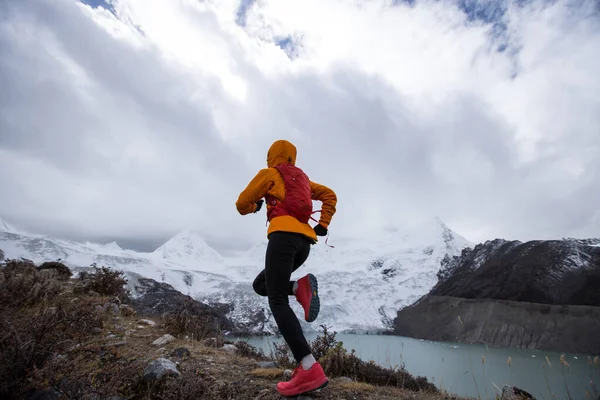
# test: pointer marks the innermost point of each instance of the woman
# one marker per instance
(289, 194)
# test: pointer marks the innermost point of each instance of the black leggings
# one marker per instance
(286, 252)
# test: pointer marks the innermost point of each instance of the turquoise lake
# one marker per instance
(458, 367)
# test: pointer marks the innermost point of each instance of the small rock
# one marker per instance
(116, 344)
(343, 379)
(287, 374)
(43, 395)
(180, 352)
(96, 331)
(229, 348)
(262, 394)
(111, 336)
(113, 308)
(147, 322)
(93, 293)
(99, 309)
(210, 342)
(514, 393)
(127, 310)
(105, 307)
(50, 310)
(267, 364)
(160, 368)
(161, 341)
(116, 301)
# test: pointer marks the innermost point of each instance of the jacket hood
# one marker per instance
(281, 151)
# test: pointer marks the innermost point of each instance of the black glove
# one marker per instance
(258, 205)
(320, 230)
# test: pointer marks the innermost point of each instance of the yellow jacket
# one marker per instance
(268, 181)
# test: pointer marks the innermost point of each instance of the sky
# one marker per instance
(131, 120)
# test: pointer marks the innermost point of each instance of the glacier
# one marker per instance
(362, 282)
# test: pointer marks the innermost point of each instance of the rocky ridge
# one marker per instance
(537, 294)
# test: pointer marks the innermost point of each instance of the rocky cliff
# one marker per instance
(537, 294)
(504, 323)
(547, 272)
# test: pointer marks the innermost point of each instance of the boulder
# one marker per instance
(147, 322)
(229, 348)
(267, 364)
(161, 341)
(160, 368)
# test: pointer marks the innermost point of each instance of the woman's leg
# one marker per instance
(279, 264)
(260, 285)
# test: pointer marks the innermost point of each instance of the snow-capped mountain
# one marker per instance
(188, 248)
(362, 283)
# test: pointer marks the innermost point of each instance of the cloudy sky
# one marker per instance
(134, 119)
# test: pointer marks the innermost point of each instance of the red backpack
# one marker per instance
(298, 195)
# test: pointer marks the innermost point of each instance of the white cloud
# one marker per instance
(151, 120)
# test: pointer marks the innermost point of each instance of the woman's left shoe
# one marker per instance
(307, 295)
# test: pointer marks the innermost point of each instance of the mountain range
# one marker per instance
(362, 283)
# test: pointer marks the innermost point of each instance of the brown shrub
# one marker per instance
(63, 271)
(323, 343)
(104, 281)
(319, 347)
(244, 349)
(30, 337)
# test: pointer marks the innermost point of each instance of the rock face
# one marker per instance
(547, 272)
(537, 295)
(157, 299)
(503, 323)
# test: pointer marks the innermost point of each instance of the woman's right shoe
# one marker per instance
(307, 295)
(303, 381)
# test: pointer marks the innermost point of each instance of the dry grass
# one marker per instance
(360, 386)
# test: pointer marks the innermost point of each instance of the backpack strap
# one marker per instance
(327, 237)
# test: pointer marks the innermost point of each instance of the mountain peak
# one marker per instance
(6, 227)
(188, 247)
(112, 246)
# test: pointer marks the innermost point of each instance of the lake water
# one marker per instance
(458, 367)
